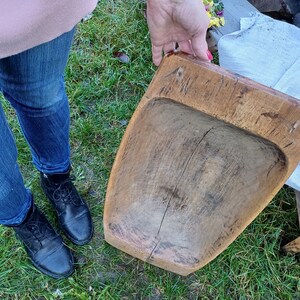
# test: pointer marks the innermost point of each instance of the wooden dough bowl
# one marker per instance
(203, 154)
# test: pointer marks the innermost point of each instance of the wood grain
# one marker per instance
(292, 247)
(203, 154)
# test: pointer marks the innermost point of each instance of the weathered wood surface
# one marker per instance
(293, 247)
(234, 10)
(203, 154)
(283, 6)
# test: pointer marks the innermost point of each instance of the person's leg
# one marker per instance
(33, 83)
(43, 245)
(15, 199)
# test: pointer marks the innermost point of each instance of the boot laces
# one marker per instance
(34, 230)
(65, 192)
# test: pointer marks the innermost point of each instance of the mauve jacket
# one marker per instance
(28, 23)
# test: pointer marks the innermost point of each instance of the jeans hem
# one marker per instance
(55, 170)
(22, 215)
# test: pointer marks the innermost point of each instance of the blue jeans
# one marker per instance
(33, 83)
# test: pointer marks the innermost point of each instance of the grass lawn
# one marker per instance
(103, 95)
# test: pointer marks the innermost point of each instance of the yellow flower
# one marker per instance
(214, 9)
(222, 21)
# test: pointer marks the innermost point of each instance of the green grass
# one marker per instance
(103, 95)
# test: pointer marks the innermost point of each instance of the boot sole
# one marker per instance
(77, 242)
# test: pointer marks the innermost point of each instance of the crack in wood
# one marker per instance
(289, 144)
(175, 191)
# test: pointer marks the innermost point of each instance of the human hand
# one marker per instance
(184, 22)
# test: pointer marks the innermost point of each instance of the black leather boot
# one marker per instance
(44, 246)
(72, 211)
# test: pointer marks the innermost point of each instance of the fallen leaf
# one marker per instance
(124, 58)
(123, 122)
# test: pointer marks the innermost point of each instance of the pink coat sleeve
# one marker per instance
(25, 24)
